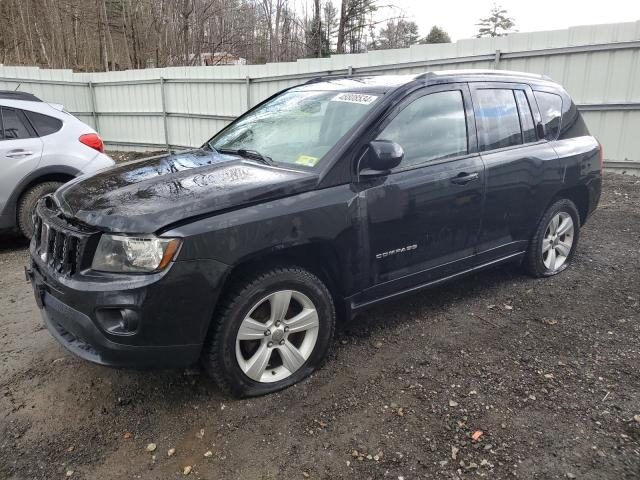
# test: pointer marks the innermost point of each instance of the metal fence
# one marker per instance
(179, 107)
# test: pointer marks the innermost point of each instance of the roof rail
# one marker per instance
(479, 71)
(14, 95)
(324, 78)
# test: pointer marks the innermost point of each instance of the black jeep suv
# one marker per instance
(323, 200)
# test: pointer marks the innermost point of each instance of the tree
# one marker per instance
(93, 35)
(396, 34)
(330, 27)
(315, 31)
(436, 35)
(496, 24)
(356, 19)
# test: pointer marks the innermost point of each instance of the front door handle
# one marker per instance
(18, 153)
(463, 178)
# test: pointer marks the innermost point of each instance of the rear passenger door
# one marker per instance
(20, 150)
(519, 167)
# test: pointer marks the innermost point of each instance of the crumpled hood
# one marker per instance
(147, 195)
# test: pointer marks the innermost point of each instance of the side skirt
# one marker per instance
(357, 308)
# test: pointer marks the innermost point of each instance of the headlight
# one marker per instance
(119, 253)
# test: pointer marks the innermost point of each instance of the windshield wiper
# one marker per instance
(251, 154)
(211, 147)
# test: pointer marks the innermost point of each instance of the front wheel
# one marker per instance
(555, 240)
(271, 331)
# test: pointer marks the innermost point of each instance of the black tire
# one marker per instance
(28, 202)
(219, 352)
(534, 260)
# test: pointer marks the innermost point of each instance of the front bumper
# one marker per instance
(174, 309)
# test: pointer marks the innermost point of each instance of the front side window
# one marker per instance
(497, 119)
(550, 106)
(297, 127)
(13, 127)
(431, 127)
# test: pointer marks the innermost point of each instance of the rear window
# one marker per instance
(497, 118)
(43, 124)
(550, 106)
(572, 123)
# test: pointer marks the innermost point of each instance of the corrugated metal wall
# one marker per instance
(183, 106)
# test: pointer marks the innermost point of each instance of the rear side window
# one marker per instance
(572, 123)
(526, 119)
(433, 126)
(497, 118)
(550, 106)
(43, 124)
(13, 126)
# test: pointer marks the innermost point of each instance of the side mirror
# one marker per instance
(540, 130)
(380, 157)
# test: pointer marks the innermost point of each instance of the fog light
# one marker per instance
(118, 321)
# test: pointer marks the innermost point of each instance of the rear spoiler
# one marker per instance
(57, 106)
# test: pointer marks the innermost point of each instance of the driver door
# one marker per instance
(423, 219)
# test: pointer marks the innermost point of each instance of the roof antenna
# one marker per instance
(15, 89)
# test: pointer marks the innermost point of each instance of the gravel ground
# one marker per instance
(547, 370)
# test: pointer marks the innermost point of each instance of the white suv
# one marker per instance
(41, 147)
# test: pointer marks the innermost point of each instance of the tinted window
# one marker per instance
(497, 118)
(43, 124)
(13, 126)
(550, 106)
(526, 119)
(433, 126)
(572, 123)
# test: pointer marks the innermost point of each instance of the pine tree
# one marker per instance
(496, 24)
(436, 35)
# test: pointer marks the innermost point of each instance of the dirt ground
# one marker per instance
(548, 371)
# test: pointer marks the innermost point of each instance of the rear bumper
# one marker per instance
(594, 187)
(173, 309)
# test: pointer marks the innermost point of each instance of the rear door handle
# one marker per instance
(463, 178)
(18, 153)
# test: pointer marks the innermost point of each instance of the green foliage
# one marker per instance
(329, 27)
(436, 35)
(496, 24)
(396, 34)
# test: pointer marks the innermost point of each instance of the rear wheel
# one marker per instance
(27, 204)
(271, 331)
(555, 240)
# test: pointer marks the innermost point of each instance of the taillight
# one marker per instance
(92, 140)
(601, 155)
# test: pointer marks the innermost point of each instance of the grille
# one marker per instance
(59, 244)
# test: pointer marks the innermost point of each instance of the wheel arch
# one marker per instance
(579, 195)
(319, 258)
(59, 173)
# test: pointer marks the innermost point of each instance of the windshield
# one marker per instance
(297, 127)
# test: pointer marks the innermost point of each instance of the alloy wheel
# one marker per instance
(277, 336)
(557, 241)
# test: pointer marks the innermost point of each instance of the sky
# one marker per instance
(459, 17)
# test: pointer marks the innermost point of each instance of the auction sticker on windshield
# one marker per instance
(361, 98)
